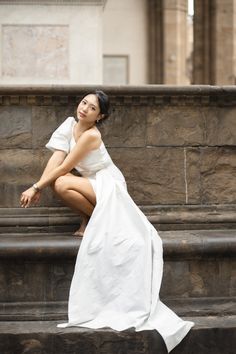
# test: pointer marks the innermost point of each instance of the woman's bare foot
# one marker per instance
(80, 231)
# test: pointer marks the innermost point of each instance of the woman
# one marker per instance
(119, 266)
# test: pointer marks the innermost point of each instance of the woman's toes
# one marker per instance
(78, 233)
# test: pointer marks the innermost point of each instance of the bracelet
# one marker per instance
(36, 188)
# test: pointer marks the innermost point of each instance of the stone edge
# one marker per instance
(195, 95)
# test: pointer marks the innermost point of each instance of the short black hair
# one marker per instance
(103, 101)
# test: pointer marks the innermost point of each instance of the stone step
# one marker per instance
(187, 243)
(163, 217)
(36, 271)
(57, 310)
(210, 335)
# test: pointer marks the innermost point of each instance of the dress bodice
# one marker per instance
(94, 161)
(63, 139)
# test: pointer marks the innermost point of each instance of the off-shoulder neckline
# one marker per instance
(73, 138)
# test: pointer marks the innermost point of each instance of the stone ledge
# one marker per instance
(210, 335)
(57, 310)
(195, 95)
(183, 244)
(119, 89)
(54, 2)
(41, 338)
(157, 214)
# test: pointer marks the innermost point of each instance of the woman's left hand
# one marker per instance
(28, 197)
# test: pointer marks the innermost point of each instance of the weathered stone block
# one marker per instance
(192, 162)
(174, 126)
(19, 170)
(220, 125)
(45, 338)
(154, 175)
(210, 175)
(19, 283)
(126, 127)
(218, 174)
(191, 126)
(45, 119)
(190, 279)
(60, 280)
(15, 127)
(21, 166)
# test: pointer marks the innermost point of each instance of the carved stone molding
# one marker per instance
(196, 95)
(207, 215)
(54, 2)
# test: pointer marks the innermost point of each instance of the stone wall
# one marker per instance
(175, 145)
(51, 42)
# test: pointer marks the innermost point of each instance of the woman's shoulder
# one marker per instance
(94, 136)
(93, 132)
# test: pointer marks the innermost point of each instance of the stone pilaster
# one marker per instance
(214, 58)
(167, 41)
(155, 17)
(202, 57)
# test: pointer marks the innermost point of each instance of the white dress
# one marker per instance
(119, 265)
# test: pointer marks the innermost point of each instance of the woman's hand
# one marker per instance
(29, 196)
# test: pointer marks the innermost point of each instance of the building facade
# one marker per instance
(117, 42)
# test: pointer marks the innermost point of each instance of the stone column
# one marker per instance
(202, 57)
(155, 20)
(175, 39)
(167, 41)
(214, 60)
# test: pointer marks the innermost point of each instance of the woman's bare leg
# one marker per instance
(78, 194)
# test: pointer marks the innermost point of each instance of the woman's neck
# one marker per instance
(82, 127)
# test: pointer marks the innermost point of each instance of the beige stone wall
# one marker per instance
(225, 37)
(44, 44)
(125, 33)
(175, 146)
(175, 42)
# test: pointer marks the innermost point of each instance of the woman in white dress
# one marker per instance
(119, 265)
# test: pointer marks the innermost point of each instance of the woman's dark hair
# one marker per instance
(104, 103)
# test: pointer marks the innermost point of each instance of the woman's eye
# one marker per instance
(93, 109)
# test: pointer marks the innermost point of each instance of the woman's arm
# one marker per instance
(55, 160)
(31, 195)
(87, 142)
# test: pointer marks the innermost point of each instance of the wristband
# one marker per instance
(36, 188)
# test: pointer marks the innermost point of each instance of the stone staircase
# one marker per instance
(37, 252)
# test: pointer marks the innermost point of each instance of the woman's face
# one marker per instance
(88, 109)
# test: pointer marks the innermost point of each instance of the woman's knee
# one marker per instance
(60, 185)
